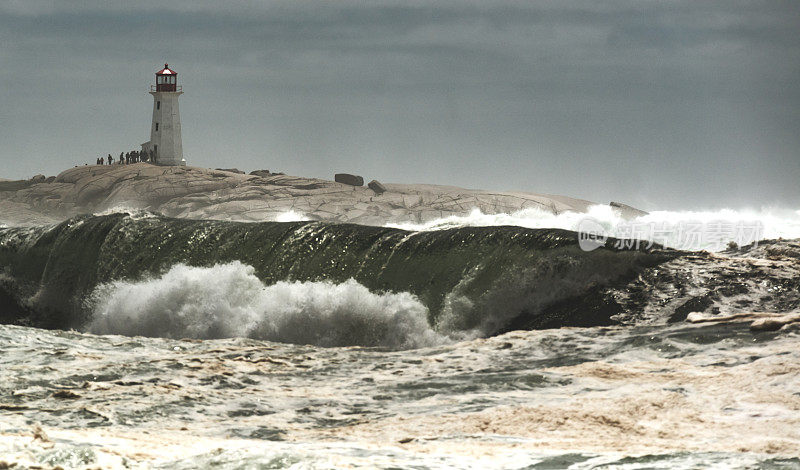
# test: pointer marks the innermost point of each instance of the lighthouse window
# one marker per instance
(158, 104)
(156, 127)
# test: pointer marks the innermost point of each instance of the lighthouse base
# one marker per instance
(148, 146)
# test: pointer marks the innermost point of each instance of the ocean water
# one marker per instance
(139, 341)
(607, 397)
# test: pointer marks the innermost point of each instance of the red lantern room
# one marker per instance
(166, 79)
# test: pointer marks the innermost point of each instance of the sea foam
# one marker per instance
(689, 230)
(291, 216)
(228, 300)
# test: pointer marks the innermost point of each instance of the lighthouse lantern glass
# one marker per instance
(166, 80)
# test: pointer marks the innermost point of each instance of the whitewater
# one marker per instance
(484, 341)
(687, 230)
(228, 300)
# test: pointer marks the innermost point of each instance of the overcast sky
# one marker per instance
(660, 104)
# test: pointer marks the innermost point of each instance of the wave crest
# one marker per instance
(668, 228)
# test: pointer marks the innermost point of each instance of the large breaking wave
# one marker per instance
(303, 282)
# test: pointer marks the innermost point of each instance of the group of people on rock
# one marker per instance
(134, 156)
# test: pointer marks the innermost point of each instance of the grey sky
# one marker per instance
(661, 104)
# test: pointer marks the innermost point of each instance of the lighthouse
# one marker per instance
(165, 129)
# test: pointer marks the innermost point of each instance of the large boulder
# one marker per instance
(376, 186)
(232, 170)
(38, 179)
(346, 178)
(262, 173)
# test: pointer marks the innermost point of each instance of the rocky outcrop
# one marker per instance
(15, 185)
(190, 192)
(346, 178)
(627, 211)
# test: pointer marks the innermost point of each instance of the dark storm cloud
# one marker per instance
(673, 103)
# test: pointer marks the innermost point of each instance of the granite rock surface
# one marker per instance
(201, 193)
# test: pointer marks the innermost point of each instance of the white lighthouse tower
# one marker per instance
(165, 130)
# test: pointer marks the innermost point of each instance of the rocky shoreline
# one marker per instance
(201, 193)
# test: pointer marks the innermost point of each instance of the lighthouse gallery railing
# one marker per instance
(177, 88)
